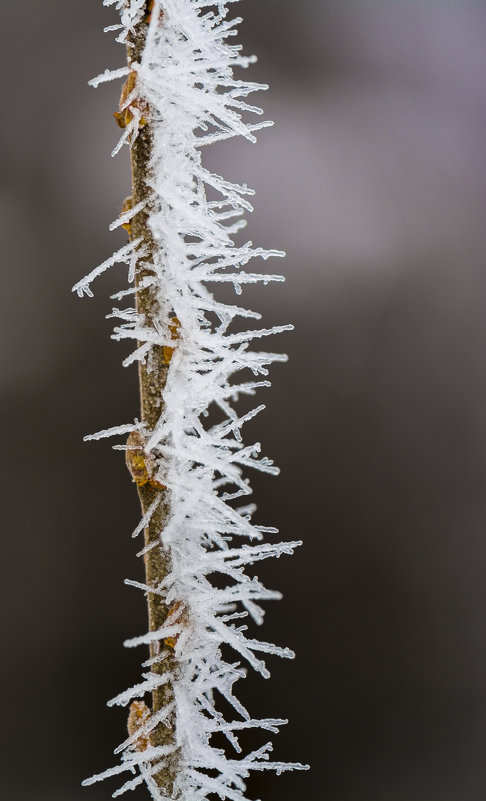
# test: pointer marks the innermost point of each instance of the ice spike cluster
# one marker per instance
(185, 76)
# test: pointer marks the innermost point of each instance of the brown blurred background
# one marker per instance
(374, 182)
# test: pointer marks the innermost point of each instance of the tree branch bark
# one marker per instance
(152, 380)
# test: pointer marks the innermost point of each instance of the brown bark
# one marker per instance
(152, 379)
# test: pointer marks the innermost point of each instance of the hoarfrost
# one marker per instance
(185, 77)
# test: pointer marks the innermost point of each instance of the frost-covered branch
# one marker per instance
(186, 453)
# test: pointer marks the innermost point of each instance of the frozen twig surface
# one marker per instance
(187, 453)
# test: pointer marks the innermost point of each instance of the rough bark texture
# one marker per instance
(152, 377)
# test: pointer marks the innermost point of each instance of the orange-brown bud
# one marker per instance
(127, 205)
(125, 115)
(138, 715)
(141, 465)
(177, 614)
(168, 351)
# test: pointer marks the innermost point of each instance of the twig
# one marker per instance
(152, 379)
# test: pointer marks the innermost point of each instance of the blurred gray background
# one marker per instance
(373, 180)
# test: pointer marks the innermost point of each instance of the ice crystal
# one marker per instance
(186, 77)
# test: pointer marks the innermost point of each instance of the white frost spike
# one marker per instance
(115, 431)
(185, 77)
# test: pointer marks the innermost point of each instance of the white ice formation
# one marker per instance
(186, 77)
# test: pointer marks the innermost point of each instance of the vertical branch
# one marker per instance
(187, 98)
(152, 380)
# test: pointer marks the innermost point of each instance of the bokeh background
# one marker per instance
(373, 181)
